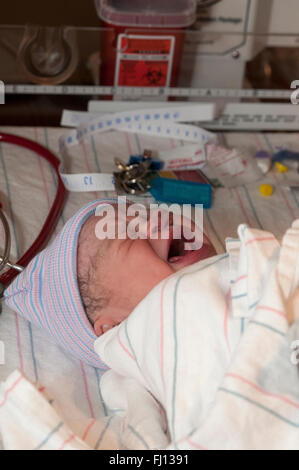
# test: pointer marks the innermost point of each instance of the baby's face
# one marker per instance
(126, 270)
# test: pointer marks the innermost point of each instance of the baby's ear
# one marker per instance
(102, 325)
(106, 320)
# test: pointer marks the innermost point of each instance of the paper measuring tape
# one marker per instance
(160, 122)
(85, 182)
(230, 116)
(182, 112)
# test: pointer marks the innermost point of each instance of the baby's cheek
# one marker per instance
(207, 251)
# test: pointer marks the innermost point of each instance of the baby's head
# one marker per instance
(114, 275)
(81, 285)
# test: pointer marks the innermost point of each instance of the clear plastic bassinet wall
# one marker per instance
(197, 50)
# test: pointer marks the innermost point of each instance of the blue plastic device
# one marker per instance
(181, 192)
(285, 155)
(156, 165)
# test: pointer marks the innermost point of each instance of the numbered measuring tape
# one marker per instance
(139, 92)
(161, 122)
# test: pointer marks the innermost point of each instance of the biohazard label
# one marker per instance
(144, 61)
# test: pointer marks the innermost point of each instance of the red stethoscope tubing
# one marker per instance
(55, 211)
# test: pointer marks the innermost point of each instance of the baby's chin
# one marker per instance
(189, 257)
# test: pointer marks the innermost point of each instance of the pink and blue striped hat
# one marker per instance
(47, 294)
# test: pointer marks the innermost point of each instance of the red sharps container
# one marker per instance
(143, 43)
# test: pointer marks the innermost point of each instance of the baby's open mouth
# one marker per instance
(178, 254)
(176, 250)
(179, 257)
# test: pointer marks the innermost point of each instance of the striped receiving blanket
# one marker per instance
(206, 360)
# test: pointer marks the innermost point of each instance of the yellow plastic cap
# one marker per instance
(281, 168)
(266, 190)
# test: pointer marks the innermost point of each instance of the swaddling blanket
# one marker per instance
(206, 360)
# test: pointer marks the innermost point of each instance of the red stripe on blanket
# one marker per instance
(9, 390)
(256, 387)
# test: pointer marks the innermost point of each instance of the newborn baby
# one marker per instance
(81, 286)
(115, 275)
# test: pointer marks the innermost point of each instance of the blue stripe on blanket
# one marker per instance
(262, 407)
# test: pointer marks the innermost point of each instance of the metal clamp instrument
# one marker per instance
(138, 178)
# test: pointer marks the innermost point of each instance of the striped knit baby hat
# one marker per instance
(47, 294)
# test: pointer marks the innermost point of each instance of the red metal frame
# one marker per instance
(55, 211)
